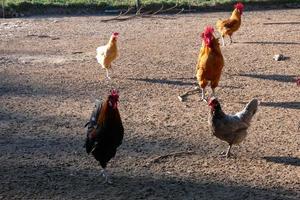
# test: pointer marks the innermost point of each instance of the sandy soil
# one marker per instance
(49, 81)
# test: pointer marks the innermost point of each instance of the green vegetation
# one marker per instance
(41, 6)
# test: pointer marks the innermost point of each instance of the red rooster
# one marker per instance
(210, 61)
(105, 131)
(231, 25)
(231, 128)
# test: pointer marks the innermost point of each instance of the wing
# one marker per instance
(230, 23)
(91, 136)
(229, 128)
(101, 51)
(231, 123)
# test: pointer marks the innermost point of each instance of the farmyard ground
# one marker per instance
(49, 80)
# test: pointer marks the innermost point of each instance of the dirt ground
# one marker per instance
(50, 78)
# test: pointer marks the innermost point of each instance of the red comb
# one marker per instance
(210, 101)
(208, 30)
(239, 6)
(298, 81)
(114, 92)
(115, 34)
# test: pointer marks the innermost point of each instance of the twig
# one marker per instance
(168, 9)
(182, 97)
(174, 154)
(138, 12)
(158, 10)
(77, 52)
(117, 17)
(180, 11)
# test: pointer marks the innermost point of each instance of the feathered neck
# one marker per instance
(235, 14)
(217, 111)
(112, 40)
(214, 45)
(108, 113)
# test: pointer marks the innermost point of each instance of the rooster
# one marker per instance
(231, 128)
(231, 25)
(105, 132)
(108, 53)
(210, 61)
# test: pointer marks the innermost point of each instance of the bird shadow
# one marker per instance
(275, 77)
(283, 160)
(280, 23)
(289, 104)
(163, 81)
(270, 42)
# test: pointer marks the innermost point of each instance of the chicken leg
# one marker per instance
(107, 76)
(228, 154)
(203, 94)
(213, 92)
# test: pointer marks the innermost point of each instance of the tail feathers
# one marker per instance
(249, 111)
(90, 141)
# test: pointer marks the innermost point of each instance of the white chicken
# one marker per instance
(108, 53)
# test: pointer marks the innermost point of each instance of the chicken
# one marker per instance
(231, 128)
(210, 62)
(231, 25)
(105, 132)
(108, 53)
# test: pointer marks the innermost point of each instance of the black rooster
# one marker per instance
(105, 131)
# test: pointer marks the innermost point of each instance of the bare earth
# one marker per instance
(49, 81)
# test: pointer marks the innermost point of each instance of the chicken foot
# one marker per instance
(105, 174)
(181, 97)
(227, 154)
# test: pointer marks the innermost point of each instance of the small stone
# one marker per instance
(278, 57)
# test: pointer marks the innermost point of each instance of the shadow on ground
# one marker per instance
(273, 77)
(290, 105)
(283, 160)
(162, 81)
(271, 42)
(69, 182)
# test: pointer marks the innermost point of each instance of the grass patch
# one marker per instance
(32, 7)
